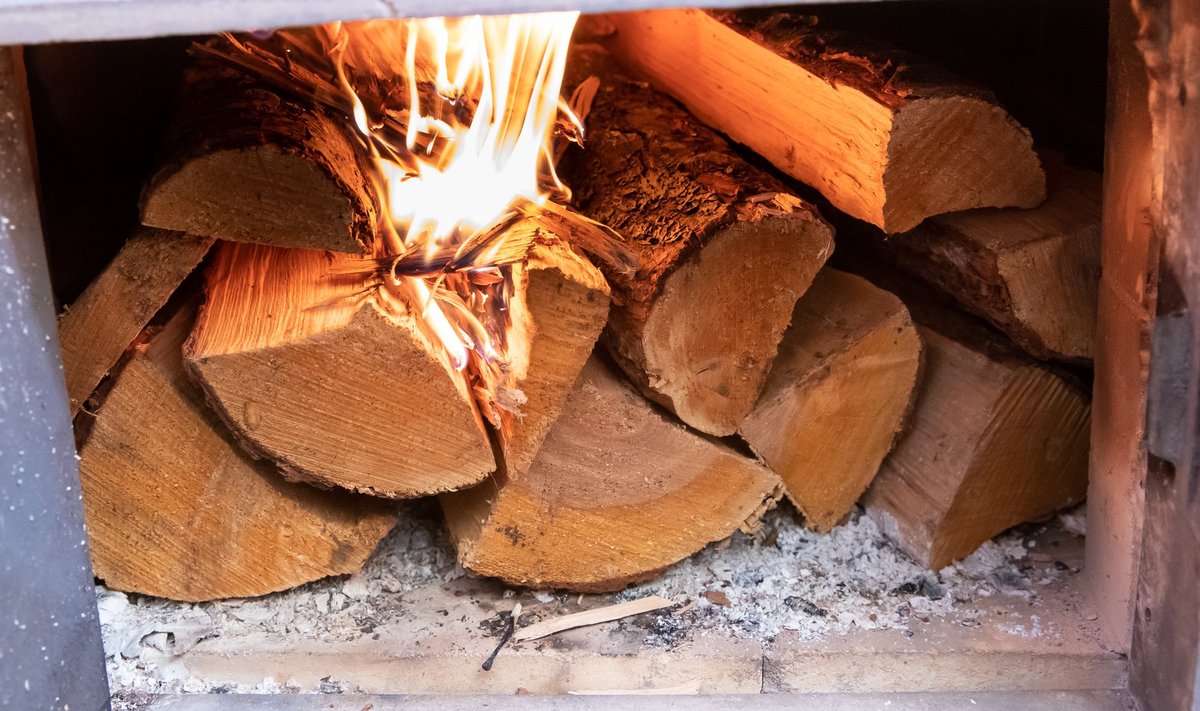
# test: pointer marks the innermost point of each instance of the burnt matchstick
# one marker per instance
(509, 628)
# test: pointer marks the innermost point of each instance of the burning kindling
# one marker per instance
(404, 299)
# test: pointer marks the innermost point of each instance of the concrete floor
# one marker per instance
(985, 701)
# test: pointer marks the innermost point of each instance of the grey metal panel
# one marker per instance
(26, 22)
(50, 651)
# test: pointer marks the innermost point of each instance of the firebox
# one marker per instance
(841, 353)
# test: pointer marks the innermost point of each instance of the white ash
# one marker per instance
(785, 577)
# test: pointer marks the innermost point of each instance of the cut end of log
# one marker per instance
(617, 493)
(940, 145)
(1034, 274)
(837, 395)
(710, 338)
(991, 444)
(921, 143)
(96, 330)
(262, 195)
(559, 312)
(244, 164)
(175, 509)
(724, 251)
(313, 374)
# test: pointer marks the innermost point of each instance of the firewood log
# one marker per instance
(244, 162)
(724, 249)
(618, 492)
(837, 395)
(174, 507)
(339, 392)
(1033, 274)
(883, 135)
(995, 439)
(95, 331)
(327, 383)
(561, 306)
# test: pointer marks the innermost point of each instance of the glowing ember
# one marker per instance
(462, 121)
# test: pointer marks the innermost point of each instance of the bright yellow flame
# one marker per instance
(478, 104)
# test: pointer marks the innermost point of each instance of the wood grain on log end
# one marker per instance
(333, 388)
(992, 442)
(559, 311)
(617, 493)
(176, 509)
(95, 331)
(1034, 274)
(724, 250)
(838, 394)
(243, 163)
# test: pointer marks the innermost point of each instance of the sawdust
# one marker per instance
(783, 578)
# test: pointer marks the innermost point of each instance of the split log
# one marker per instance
(97, 329)
(883, 135)
(1033, 274)
(837, 396)
(618, 492)
(175, 509)
(995, 439)
(559, 309)
(244, 162)
(322, 379)
(724, 249)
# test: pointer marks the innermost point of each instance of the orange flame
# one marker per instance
(479, 106)
(460, 119)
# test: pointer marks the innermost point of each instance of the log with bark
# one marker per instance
(885, 136)
(724, 249)
(176, 509)
(618, 492)
(247, 162)
(1033, 274)
(95, 331)
(995, 438)
(837, 396)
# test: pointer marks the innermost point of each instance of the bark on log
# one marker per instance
(1034, 274)
(322, 380)
(617, 493)
(175, 509)
(95, 331)
(838, 395)
(244, 162)
(995, 439)
(724, 250)
(883, 135)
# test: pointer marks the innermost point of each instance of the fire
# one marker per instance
(462, 121)
(479, 106)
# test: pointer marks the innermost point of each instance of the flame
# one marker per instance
(462, 123)
(479, 102)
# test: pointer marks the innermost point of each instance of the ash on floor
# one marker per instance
(784, 578)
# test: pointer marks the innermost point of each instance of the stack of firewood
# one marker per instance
(247, 432)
